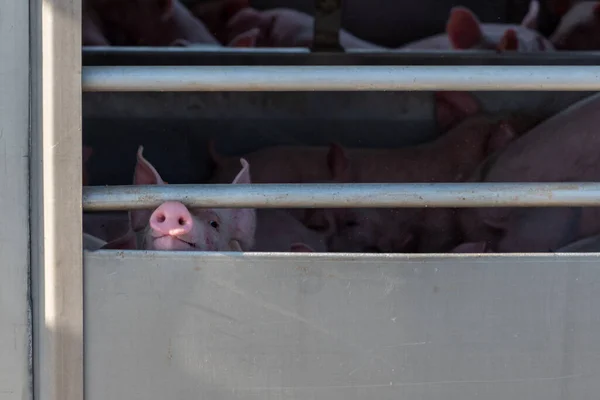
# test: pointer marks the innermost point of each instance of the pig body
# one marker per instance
(278, 230)
(451, 158)
(277, 164)
(152, 22)
(560, 149)
(579, 28)
(283, 27)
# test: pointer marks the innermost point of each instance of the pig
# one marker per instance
(451, 158)
(279, 230)
(464, 31)
(174, 227)
(152, 22)
(282, 27)
(579, 28)
(563, 148)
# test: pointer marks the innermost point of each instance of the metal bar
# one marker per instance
(340, 78)
(15, 309)
(55, 187)
(345, 195)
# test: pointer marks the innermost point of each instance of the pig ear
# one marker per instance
(530, 19)
(243, 219)
(509, 41)
(471, 247)
(338, 163)
(246, 39)
(500, 137)
(166, 9)
(243, 228)
(234, 245)
(452, 107)
(463, 29)
(125, 242)
(145, 173)
(301, 248)
(243, 177)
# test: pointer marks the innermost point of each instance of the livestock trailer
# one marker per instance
(155, 325)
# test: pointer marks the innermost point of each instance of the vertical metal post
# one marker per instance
(56, 199)
(15, 324)
(328, 23)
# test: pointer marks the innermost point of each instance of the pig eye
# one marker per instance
(351, 224)
(214, 224)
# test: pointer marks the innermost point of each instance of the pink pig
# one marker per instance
(173, 226)
(464, 31)
(283, 27)
(579, 28)
(561, 149)
(451, 158)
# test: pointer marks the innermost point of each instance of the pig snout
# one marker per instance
(171, 225)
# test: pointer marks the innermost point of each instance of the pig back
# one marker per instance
(561, 149)
(277, 230)
(278, 164)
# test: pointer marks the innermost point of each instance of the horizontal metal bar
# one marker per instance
(345, 195)
(340, 78)
(200, 48)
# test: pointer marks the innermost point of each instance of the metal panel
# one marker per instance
(318, 326)
(15, 322)
(340, 78)
(56, 199)
(211, 55)
(373, 195)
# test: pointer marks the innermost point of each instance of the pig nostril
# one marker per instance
(181, 221)
(161, 218)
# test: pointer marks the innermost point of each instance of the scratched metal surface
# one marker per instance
(456, 327)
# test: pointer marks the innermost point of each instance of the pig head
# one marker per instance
(173, 226)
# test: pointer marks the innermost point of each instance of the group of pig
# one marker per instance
(235, 23)
(474, 147)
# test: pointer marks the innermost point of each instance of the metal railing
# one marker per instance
(340, 78)
(345, 195)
